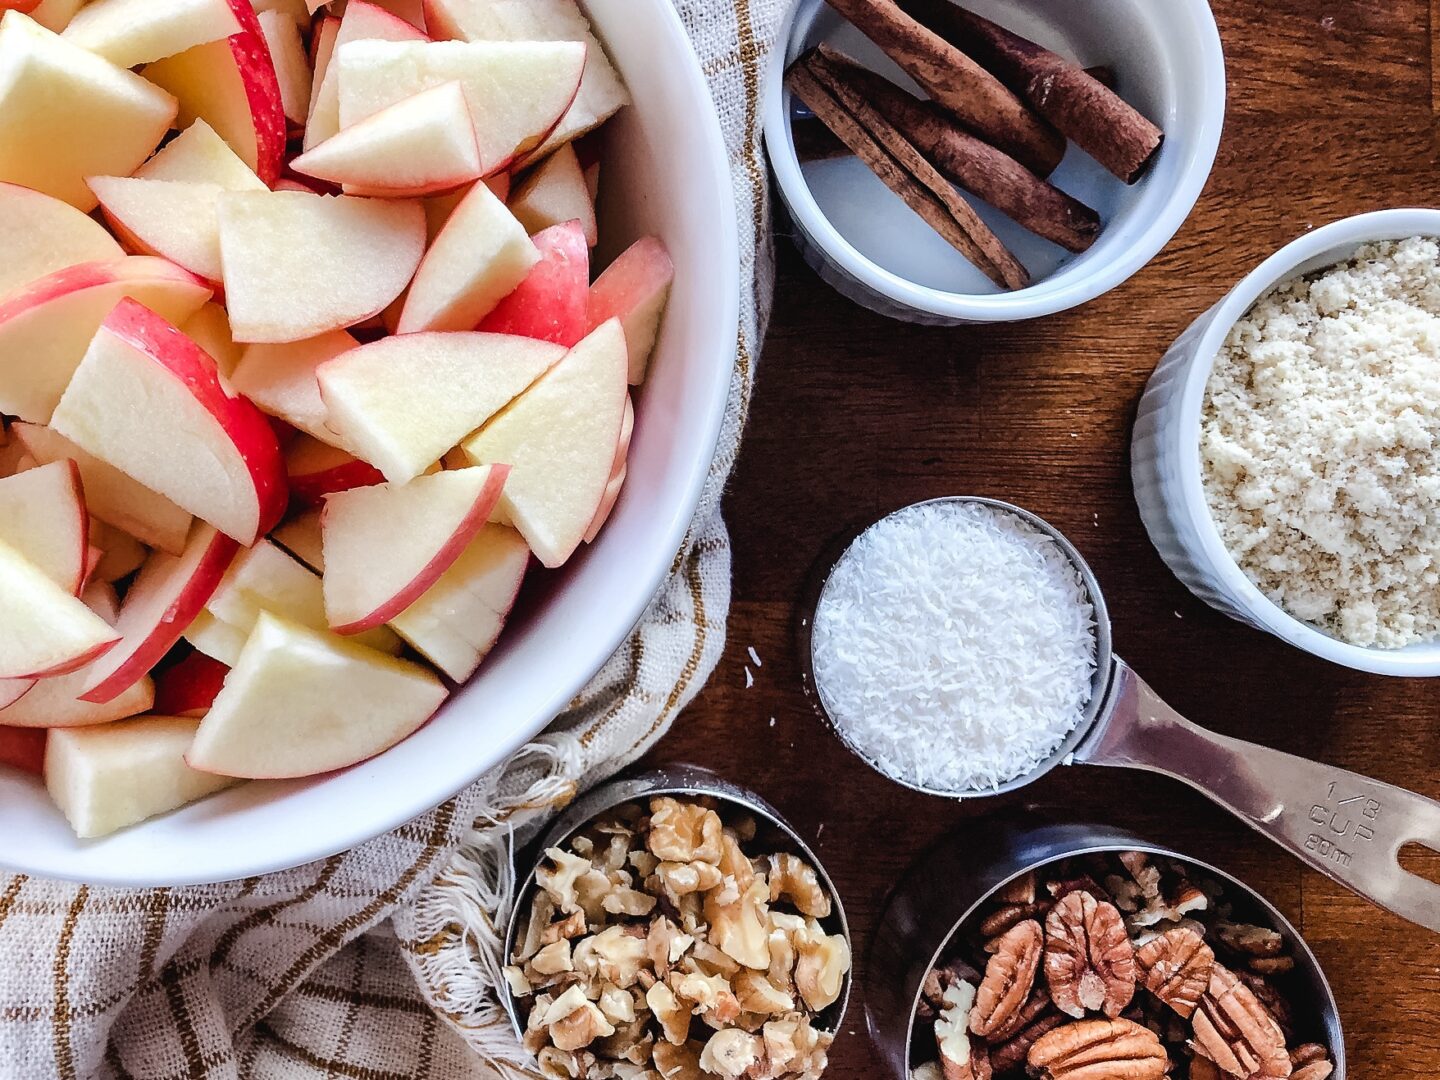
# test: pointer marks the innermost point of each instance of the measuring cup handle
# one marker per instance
(1345, 825)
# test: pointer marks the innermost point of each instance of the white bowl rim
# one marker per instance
(454, 773)
(1040, 298)
(1416, 660)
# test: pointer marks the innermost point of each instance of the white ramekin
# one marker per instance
(1168, 61)
(1165, 450)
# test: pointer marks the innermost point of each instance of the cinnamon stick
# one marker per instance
(976, 166)
(895, 161)
(978, 98)
(1082, 107)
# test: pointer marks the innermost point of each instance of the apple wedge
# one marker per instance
(300, 535)
(53, 703)
(210, 329)
(634, 289)
(169, 218)
(40, 234)
(401, 402)
(456, 622)
(362, 21)
(232, 86)
(318, 469)
(52, 14)
(110, 495)
(199, 156)
(617, 475)
(121, 554)
(553, 301)
(555, 192)
(479, 256)
(215, 638)
(385, 545)
(104, 779)
(292, 63)
(42, 516)
(412, 11)
(300, 702)
(150, 402)
(517, 91)
(23, 749)
(297, 266)
(66, 113)
(417, 146)
(189, 687)
(131, 32)
(46, 629)
(280, 379)
(267, 578)
(559, 438)
(601, 93)
(46, 326)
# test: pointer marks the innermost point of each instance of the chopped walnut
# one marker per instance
(678, 1061)
(611, 955)
(571, 926)
(563, 1064)
(683, 831)
(793, 879)
(710, 996)
(757, 994)
(673, 1016)
(822, 964)
(731, 1053)
(738, 922)
(560, 882)
(575, 1022)
(682, 879)
(542, 908)
(1089, 961)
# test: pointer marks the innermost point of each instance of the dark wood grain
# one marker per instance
(1331, 112)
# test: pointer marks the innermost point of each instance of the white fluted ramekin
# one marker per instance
(1165, 450)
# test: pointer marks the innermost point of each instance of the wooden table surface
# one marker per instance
(1332, 111)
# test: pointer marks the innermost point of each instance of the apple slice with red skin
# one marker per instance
(318, 469)
(300, 702)
(232, 85)
(553, 193)
(46, 630)
(198, 155)
(280, 379)
(617, 475)
(132, 32)
(287, 51)
(362, 21)
(189, 687)
(386, 545)
(42, 516)
(53, 703)
(121, 554)
(219, 459)
(300, 535)
(634, 289)
(552, 303)
(23, 749)
(167, 594)
(40, 234)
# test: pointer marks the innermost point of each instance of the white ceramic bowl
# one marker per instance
(665, 172)
(866, 243)
(1165, 452)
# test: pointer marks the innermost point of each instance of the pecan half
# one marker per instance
(1099, 1050)
(1036, 1006)
(1089, 961)
(1276, 1004)
(1175, 967)
(1236, 1032)
(1004, 919)
(1311, 1062)
(1009, 978)
(1012, 1053)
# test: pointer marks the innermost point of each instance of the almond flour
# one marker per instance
(1318, 445)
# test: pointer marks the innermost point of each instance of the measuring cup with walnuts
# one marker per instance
(675, 927)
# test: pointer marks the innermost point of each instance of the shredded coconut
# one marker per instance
(954, 646)
(1318, 443)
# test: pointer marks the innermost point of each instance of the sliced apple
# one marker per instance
(280, 379)
(297, 266)
(168, 218)
(131, 32)
(46, 630)
(517, 90)
(362, 21)
(480, 255)
(23, 749)
(553, 301)
(318, 469)
(188, 688)
(104, 779)
(52, 14)
(110, 495)
(559, 438)
(617, 475)
(634, 289)
(401, 402)
(121, 554)
(54, 703)
(42, 516)
(298, 10)
(232, 85)
(292, 63)
(101, 598)
(210, 329)
(300, 535)
(66, 113)
(215, 638)
(322, 51)
(40, 234)
(150, 402)
(412, 11)
(46, 326)
(300, 702)
(555, 192)
(199, 156)
(456, 622)
(385, 545)
(601, 93)
(417, 146)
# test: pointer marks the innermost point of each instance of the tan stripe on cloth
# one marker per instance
(331, 970)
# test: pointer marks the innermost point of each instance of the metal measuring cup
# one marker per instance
(1347, 826)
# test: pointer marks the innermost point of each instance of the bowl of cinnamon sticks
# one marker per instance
(966, 161)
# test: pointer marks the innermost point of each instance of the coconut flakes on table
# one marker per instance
(954, 646)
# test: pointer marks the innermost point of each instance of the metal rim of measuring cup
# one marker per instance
(941, 893)
(1099, 686)
(676, 780)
